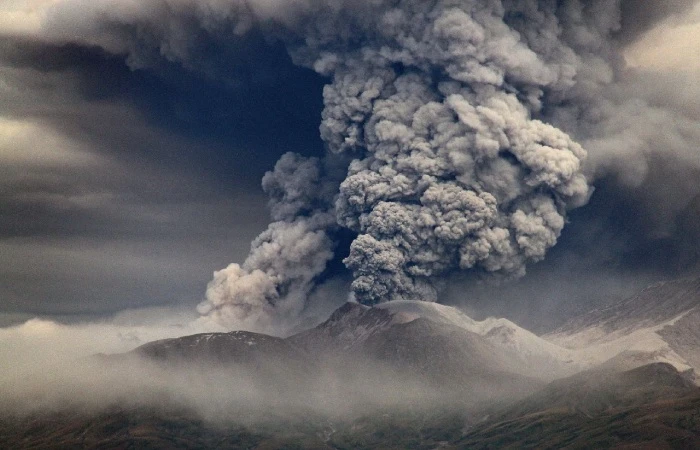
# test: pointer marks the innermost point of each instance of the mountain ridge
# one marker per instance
(412, 375)
(658, 324)
(635, 332)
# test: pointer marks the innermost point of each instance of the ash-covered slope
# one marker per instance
(450, 360)
(433, 350)
(654, 305)
(526, 352)
(268, 362)
(420, 331)
(425, 342)
(436, 346)
(659, 324)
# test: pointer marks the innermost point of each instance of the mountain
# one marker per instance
(349, 326)
(435, 342)
(526, 353)
(602, 389)
(659, 324)
(400, 356)
(236, 346)
(650, 407)
(442, 346)
(498, 344)
(404, 375)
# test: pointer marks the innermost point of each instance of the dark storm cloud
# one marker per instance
(81, 83)
(640, 16)
(125, 188)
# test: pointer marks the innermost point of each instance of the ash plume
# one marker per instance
(449, 169)
(455, 132)
(284, 260)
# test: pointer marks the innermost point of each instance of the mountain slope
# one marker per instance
(454, 362)
(659, 324)
(346, 328)
(664, 424)
(650, 407)
(402, 375)
(653, 306)
(433, 358)
(156, 429)
(507, 346)
(527, 353)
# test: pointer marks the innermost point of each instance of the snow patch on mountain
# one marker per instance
(658, 324)
(598, 335)
(596, 344)
(197, 340)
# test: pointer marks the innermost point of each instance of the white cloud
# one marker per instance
(22, 16)
(30, 143)
(671, 46)
(42, 341)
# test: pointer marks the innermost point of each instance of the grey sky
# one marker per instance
(114, 199)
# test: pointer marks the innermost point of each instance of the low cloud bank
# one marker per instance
(56, 368)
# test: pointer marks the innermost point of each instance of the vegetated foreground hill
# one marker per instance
(650, 407)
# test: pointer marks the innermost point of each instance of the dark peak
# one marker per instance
(347, 310)
(595, 392)
(215, 347)
(652, 376)
(660, 374)
(348, 326)
(198, 339)
(355, 316)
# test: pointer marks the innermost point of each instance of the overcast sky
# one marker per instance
(126, 186)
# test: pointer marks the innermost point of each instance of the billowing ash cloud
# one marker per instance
(446, 124)
(434, 103)
(284, 260)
